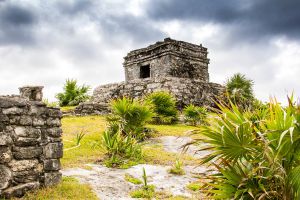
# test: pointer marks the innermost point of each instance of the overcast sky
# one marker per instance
(46, 42)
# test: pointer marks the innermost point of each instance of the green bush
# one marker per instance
(73, 94)
(164, 106)
(256, 154)
(130, 116)
(194, 115)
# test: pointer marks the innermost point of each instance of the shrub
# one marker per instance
(130, 116)
(255, 159)
(194, 115)
(164, 106)
(73, 94)
(240, 90)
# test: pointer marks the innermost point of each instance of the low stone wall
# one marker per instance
(30, 143)
(185, 90)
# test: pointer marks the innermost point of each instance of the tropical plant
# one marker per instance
(240, 90)
(73, 94)
(164, 106)
(177, 168)
(147, 191)
(79, 137)
(255, 159)
(194, 115)
(130, 116)
(120, 149)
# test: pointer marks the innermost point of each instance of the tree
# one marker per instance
(240, 90)
(73, 94)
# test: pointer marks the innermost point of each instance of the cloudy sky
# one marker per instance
(46, 42)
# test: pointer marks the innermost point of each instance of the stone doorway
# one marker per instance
(145, 71)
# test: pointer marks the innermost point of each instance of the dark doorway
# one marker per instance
(145, 71)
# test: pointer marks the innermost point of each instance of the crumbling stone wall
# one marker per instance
(30, 143)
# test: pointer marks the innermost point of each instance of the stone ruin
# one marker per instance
(170, 65)
(30, 143)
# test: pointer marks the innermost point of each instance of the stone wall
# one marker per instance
(186, 91)
(30, 143)
(168, 58)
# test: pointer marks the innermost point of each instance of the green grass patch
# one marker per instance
(132, 179)
(67, 108)
(171, 130)
(194, 186)
(68, 189)
(145, 192)
(89, 150)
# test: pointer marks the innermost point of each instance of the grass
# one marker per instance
(68, 189)
(89, 150)
(143, 192)
(156, 155)
(172, 130)
(67, 108)
(132, 179)
(177, 168)
(194, 186)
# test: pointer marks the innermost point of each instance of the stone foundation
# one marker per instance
(30, 143)
(186, 91)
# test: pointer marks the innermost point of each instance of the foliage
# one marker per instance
(79, 137)
(164, 105)
(255, 159)
(50, 104)
(73, 94)
(132, 179)
(177, 168)
(130, 116)
(69, 189)
(194, 186)
(120, 149)
(147, 191)
(240, 90)
(194, 114)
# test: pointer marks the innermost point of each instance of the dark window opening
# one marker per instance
(145, 71)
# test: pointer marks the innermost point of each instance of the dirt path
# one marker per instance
(109, 184)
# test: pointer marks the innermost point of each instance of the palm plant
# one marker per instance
(240, 90)
(254, 159)
(164, 106)
(73, 94)
(130, 116)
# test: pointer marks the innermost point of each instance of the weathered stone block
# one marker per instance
(38, 122)
(52, 165)
(20, 190)
(5, 177)
(13, 111)
(52, 178)
(5, 154)
(5, 139)
(25, 176)
(21, 165)
(53, 150)
(25, 120)
(27, 152)
(54, 132)
(53, 122)
(22, 131)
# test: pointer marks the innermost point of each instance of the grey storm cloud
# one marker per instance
(254, 19)
(17, 24)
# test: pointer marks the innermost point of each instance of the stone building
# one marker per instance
(170, 65)
(30, 143)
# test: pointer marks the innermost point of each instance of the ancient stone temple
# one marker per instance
(170, 65)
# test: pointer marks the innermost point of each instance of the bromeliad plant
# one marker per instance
(256, 155)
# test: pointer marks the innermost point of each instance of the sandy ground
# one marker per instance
(109, 184)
